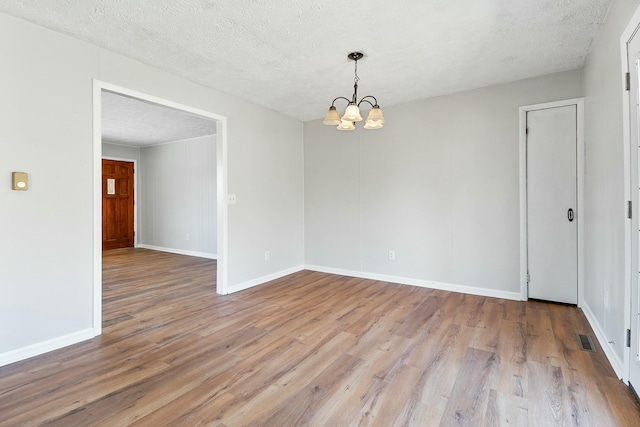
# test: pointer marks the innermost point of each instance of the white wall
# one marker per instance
(120, 151)
(46, 133)
(177, 196)
(604, 180)
(438, 185)
(46, 266)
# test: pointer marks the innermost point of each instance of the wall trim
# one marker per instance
(106, 141)
(614, 360)
(178, 251)
(177, 141)
(46, 346)
(264, 279)
(472, 290)
(580, 214)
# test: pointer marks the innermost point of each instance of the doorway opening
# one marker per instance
(216, 143)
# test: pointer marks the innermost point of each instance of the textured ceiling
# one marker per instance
(133, 122)
(290, 55)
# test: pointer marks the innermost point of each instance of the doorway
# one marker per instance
(221, 186)
(551, 189)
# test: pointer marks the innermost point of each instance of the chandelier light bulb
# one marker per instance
(352, 113)
(332, 117)
(346, 125)
(375, 115)
(373, 125)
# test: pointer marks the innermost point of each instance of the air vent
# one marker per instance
(586, 343)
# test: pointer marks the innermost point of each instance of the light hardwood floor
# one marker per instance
(313, 349)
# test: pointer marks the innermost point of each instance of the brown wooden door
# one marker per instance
(117, 204)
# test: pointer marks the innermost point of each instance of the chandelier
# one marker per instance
(352, 113)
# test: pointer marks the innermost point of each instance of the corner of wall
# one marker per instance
(609, 351)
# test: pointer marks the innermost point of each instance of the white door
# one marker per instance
(552, 231)
(633, 51)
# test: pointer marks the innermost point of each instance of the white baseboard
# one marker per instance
(45, 346)
(418, 282)
(263, 279)
(615, 361)
(179, 251)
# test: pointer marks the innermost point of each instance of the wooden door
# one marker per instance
(117, 204)
(552, 220)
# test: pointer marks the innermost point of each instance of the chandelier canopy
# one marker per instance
(352, 113)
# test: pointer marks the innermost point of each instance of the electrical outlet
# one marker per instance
(231, 199)
(392, 255)
(267, 255)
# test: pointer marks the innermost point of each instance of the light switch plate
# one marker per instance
(20, 181)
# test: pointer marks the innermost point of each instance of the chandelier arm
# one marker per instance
(370, 96)
(340, 97)
(367, 101)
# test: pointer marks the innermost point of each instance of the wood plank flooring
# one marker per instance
(313, 349)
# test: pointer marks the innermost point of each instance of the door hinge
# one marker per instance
(629, 209)
(528, 278)
(526, 131)
(628, 337)
(627, 78)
